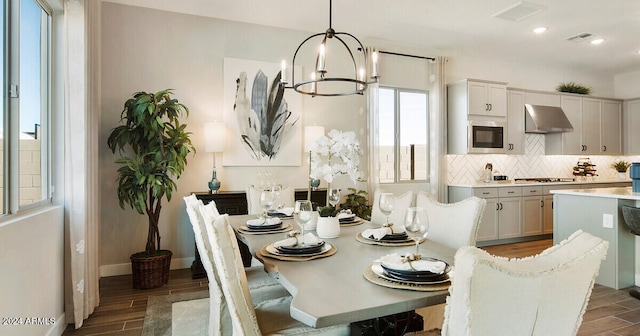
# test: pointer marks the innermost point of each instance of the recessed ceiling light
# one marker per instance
(540, 30)
(597, 41)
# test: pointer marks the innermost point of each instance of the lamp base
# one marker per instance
(214, 184)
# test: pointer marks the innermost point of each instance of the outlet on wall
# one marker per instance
(607, 221)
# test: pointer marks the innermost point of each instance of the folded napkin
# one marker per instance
(285, 211)
(345, 215)
(380, 232)
(261, 221)
(396, 262)
(309, 238)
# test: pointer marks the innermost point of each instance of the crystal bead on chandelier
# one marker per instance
(321, 81)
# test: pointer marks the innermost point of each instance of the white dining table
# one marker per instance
(333, 290)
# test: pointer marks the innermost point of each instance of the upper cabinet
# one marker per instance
(597, 125)
(515, 122)
(631, 120)
(479, 97)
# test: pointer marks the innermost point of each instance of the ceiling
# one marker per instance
(454, 27)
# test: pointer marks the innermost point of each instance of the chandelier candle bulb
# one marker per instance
(283, 72)
(374, 66)
(321, 65)
(313, 85)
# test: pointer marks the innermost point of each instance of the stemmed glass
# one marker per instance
(277, 188)
(334, 197)
(266, 201)
(387, 203)
(416, 224)
(302, 215)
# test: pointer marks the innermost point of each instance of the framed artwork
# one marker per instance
(264, 121)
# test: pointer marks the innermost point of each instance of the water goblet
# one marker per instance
(416, 224)
(302, 215)
(334, 196)
(387, 203)
(266, 201)
(277, 188)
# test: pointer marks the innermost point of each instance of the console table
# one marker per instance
(235, 203)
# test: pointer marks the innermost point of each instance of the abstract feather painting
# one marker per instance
(263, 120)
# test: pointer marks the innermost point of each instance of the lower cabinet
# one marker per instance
(502, 214)
(533, 209)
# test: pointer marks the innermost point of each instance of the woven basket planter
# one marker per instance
(150, 272)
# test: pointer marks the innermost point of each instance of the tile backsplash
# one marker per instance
(463, 169)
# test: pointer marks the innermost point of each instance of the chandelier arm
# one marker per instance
(353, 59)
(293, 62)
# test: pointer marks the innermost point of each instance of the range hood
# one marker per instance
(545, 119)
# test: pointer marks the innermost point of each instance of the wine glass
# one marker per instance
(334, 197)
(387, 203)
(416, 224)
(302, 215)
(277, 188)
(266, 201)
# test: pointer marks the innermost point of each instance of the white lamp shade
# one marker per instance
(215, 136)
(311, 134)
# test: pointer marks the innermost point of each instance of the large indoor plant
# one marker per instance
(153, 146)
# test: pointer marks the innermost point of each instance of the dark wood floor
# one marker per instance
(121, 311)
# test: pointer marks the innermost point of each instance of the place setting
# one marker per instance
(348, 218)
(388, 234)
(298, 246)
(264, 225)
(411, 270)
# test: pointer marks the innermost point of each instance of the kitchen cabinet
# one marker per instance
(597, 125)
(630, 125)
(480, 97)
(515, 122)
(502, 215)
(533, 210)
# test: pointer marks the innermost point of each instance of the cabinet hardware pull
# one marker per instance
(485, 193)
(497, 206)
(486, 107)
(604, 148)
(541, 203)
(500, 205)
(490, 107)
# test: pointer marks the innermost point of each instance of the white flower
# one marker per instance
(325, 152)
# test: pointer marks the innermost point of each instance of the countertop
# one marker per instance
(619, 193)
(512, 183)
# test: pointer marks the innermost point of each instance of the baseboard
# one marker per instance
(124, 269)
(58, 328)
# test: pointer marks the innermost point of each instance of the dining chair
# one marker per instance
(545, 294)
(261, 284)
(270, 317)
(452, 224)
(286, 198)
(402, 203)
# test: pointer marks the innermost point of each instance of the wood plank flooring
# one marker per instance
(122, 308)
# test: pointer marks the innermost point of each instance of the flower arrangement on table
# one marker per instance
(334, 155)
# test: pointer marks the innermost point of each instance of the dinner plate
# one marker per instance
(282, 228)
(265, 227)
(377, 269)
(396, 236)
(301, 249)
(417, 274)
(272, 250)
(393, 240)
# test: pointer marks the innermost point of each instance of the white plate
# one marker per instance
(275, 251)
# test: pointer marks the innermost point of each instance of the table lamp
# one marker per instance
(311, 134)
(215, 136)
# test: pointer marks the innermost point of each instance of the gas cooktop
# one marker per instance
(544, 179)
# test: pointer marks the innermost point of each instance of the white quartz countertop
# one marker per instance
(619, 193)
(512, 183)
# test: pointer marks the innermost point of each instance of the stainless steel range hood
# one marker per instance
(545, 119)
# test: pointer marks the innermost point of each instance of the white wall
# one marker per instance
(628, 85)
(151, 50)
(31, 280)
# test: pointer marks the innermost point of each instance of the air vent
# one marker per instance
(580, 37)
(520, 11)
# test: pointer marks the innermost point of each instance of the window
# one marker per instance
(403, 135)
(25, 104)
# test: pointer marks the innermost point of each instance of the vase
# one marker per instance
(622, 175)
(328, 227)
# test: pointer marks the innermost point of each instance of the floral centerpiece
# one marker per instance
(334, 155)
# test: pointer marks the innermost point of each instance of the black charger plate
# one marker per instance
(301, 249)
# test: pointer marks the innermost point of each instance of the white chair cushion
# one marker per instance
(542, 295)
(455, 224)
(403, 202)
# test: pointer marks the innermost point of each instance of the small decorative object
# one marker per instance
(153, 147)
(584, 168)
(314, 184)
(571, 87)
(214, 141)
(621, 167)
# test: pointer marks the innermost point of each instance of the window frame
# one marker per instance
(397, 91)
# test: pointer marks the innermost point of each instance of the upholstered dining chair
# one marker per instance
(262, 286)
(542, 295)
(454, 224)
(402, 203)
(269, 317)
(286, 197)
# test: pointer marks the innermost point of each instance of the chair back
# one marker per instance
(402, 203)
(542, 295)
(228, 263)
(455, 224)
(286, 197)
(631, 216)
(218, 315)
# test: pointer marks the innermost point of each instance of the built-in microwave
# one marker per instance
(486, 137)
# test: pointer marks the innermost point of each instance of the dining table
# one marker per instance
(333, 290)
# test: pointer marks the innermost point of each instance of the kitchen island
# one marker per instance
(598, 211)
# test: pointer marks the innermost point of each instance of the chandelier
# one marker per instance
(346, 72)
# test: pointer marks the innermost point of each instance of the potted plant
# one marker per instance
(333, 155)
(621, 167)
(358, 203)
(153, 147)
